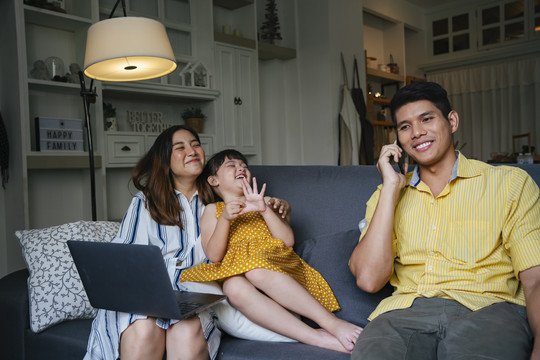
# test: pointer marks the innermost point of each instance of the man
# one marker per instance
(458, 239)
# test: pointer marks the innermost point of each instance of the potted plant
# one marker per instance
(194, 117)
(109, 116)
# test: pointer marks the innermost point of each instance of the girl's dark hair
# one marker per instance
(211, 168)
(152, 175)
(420, 90)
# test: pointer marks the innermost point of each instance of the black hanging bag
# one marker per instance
(366, 145)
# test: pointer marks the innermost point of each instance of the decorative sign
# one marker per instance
(59, 134)
(147, 121)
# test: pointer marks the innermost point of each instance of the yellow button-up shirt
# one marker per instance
(470, 242)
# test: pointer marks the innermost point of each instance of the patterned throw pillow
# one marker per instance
(54, 286)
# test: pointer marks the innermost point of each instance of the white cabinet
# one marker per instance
(237, 109)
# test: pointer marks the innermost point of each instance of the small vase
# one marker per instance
(110, 124)
(195, 123)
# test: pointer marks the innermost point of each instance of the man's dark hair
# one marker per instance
(420, 90)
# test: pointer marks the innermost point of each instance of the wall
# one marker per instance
(11, 208)
(302, 96)
(279, 95)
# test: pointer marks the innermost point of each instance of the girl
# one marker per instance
(251, 250)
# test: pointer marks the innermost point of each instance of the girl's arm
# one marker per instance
(214, 234)
(279, 227)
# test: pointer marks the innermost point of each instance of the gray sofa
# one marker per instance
(327, 204)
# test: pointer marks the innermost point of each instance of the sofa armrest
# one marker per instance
(14, 310)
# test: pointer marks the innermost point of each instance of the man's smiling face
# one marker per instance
(424, 132)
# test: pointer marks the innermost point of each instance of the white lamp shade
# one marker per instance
(128, 49)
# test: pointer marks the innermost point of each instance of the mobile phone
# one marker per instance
(403, 159)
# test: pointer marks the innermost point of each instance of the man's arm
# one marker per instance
(530, 279)
(372, 259)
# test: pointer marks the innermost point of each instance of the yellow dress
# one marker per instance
(251, 246)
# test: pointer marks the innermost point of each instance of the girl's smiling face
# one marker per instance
(229, 177)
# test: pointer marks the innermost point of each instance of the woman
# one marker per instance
(164, 213)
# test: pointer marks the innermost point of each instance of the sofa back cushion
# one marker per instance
(324, 199)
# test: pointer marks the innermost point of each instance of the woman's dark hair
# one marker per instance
(152, 175)
(211, 168)
(420, 90)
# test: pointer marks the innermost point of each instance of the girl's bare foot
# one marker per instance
(345, 332)
(329, 341)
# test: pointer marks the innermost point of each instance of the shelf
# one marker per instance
(48, 85)
(59, 160)
(235, 40)
(54, 19)
(160, 90)
(270, 51)
(375, 73)
(232, 4)
(380, 101)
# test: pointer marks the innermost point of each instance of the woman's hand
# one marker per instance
(254, 199)
(280, 207)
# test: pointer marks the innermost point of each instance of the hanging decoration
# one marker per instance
(270, 27)
(195, 74)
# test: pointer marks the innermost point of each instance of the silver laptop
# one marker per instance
(133, 279)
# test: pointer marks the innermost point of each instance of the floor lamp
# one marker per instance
(122, 49)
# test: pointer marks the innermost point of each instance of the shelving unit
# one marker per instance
(234, 40)
(266, 51)
(270, 51)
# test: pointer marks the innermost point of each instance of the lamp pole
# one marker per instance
(88, 97)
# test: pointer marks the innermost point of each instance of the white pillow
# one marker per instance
(55, 289)
(232, 321)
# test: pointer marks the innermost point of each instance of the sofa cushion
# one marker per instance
(329, 254)
(230, 320)
(55, 289)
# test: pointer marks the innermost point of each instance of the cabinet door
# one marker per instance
(236, 77)
(246, 110)
(226, 82)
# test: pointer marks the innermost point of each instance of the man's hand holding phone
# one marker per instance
(389, 153)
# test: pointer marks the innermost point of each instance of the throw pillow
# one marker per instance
(329, 254)
(55, 289)
(232, 321)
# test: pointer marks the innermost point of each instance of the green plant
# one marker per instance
(108, 110)
(193, 112)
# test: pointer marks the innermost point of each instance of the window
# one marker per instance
(502, 22)
(451, 34)
(494, 24)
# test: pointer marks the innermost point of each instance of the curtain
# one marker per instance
(494, 102)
